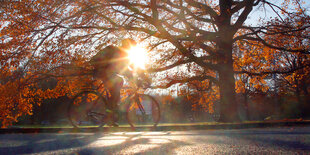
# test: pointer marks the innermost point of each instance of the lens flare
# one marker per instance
(137, 56)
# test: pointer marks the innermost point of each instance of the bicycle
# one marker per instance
(90, 108)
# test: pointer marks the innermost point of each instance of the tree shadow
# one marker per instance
(83, 143)
(138, 144)
(37, 143)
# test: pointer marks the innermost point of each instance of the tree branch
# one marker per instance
(195, 78)
(248, 8)
(272, 72)
(205, 7)
(258, 39)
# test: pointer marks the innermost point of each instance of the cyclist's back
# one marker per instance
(109, 62)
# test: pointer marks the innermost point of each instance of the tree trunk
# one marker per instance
(306, 103)
(228, 106)
(246, 105)
(224, 42)
(299, 100)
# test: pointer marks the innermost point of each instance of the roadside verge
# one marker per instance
(163, 127)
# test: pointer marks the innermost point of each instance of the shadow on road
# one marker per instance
(149, 142)
(96, 143)
(145, 145)
(40, 143)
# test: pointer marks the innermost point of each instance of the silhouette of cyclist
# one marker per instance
(109, 64)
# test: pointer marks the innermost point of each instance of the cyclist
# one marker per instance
(109, 64)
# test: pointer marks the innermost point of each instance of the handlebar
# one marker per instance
(138, 83)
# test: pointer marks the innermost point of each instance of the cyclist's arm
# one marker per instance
(143, 77)
(128, 73)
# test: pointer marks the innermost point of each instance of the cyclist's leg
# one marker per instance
(114, 86)
(105, 76)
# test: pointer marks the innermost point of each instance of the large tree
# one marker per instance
(38, 36)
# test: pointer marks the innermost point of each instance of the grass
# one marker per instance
(41, 126)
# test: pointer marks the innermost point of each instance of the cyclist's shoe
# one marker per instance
(114, 124)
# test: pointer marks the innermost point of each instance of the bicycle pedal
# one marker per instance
(114, 124)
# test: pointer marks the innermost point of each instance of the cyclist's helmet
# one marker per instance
(127, 43)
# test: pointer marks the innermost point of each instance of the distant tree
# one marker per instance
(275, 69)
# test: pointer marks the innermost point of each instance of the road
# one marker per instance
(285, 140)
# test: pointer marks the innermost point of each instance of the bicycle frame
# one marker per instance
(133, 98)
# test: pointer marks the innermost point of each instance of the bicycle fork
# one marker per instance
(142, 110)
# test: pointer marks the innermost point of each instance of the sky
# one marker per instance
(265, 14)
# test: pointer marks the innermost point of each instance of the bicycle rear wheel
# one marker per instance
(143, 110)
(88, 109)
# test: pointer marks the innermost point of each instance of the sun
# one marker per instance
(137, 56)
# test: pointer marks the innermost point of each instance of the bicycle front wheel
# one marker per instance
(143, 110)
(87, 109)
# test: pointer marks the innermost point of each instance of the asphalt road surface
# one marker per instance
(288, 140)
